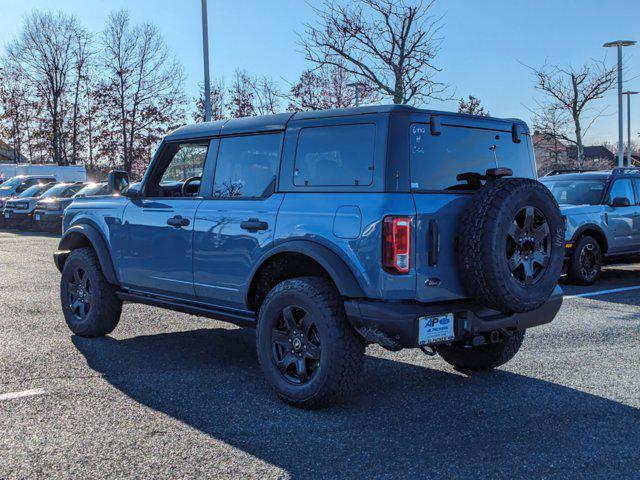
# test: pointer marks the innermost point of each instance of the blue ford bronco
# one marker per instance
(326, 231)
(601, 210)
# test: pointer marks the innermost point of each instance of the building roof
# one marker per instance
(592, 153)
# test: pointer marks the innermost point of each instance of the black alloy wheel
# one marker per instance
(590, 261)
(296, 347)
(528, 245)
(79, 294)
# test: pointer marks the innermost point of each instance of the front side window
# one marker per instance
(622, 189)
(576, 192)
(340, 155)
(247, 166)
(179, 170)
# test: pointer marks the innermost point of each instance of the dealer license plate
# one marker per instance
(438, 329)
(37, 217)
(7, 215)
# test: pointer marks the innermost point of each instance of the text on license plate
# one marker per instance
(437, 329)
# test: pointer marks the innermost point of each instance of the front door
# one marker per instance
(235, 226)
(157, 254)
(622, 220)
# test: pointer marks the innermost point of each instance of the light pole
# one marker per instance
(205, 53)
(628, 93)
(620, 44)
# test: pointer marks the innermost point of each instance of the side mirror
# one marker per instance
(621, 202)
(133, 191)
(118, 181)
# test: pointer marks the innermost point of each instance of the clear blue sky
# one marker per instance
(483, 41)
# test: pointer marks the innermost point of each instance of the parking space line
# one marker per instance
(25, 393)
(604, 292)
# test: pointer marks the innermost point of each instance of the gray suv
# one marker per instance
(602, 216)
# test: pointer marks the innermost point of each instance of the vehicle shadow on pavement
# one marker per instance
(404, 420)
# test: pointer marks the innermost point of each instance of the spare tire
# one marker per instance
(511, 245)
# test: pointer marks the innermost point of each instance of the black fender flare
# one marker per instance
(76, 237)
(591, 226)
(338, 270)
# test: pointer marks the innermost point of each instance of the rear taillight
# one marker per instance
(396, 244)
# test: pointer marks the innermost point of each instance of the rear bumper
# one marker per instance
(395, 325)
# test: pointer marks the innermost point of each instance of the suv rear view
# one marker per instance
(326, 231)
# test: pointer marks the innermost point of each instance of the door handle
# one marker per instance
(178, 221)
(253, 225)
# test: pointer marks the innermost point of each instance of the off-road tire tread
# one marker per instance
(476, 254)
(108, 307)
(484, 357)
(343, 374)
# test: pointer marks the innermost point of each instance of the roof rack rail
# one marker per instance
(562, 171)
(623, 170)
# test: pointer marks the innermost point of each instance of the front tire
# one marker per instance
(484, 357)
(586, 261)
(308, 352)
(89, 302)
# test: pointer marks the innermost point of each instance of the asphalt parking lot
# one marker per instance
(174, 396)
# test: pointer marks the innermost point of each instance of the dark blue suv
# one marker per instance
(328, 230)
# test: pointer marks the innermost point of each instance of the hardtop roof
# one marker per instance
(278, 122)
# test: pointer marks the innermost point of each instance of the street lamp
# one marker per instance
(205, 54)
(620, 44)
(628, 93)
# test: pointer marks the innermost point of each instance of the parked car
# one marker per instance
(16, 211)
(328, 230)
(47, 215)
(602, 216)
(15, 185)
(19, 212)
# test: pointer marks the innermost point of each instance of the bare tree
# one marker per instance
(328, 87)
(573, 91)
(82, 51)
(142, 93)
(218, 102)
(242, 95)
(267, 96)
(44, 54)
(14, 113)
(472, 106)
(390, 44)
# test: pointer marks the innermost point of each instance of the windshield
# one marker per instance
(91, 189)
(57, 191)
(11, 183)
(33, 191)
(576, 192)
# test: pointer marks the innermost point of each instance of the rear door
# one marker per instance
(435, 162)
(623, 221)
(234, 227)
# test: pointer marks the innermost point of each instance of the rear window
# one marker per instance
(340, 155)
(436, 161)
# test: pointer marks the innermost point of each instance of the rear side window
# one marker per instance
(247, 166)
(437, 160)
(339, 155)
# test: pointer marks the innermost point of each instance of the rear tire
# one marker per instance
(586, 261)
(309, 353)
(89, 302)
(484, 357)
